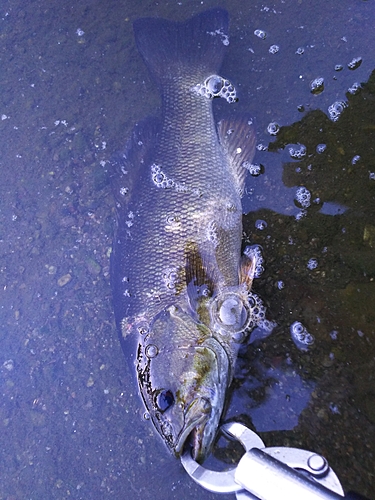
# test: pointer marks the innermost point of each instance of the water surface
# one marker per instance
(72, 86)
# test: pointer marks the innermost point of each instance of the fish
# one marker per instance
(181, 287)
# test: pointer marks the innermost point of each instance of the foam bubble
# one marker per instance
(254, 252)
(301, 214)
(320, 148)
(274, 49)
(261, 327)
(273, 128)
(300, 336)
(254, 169)
(267, 325)
(159, 178)
(312, 264)
(260, 34)
(355, 63)
(260, 224)
(216, 86)
(299, 153)
(336, 109)
(355, 88)
(257, 309)
(303, 197)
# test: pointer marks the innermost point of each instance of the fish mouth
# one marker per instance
(196, 417)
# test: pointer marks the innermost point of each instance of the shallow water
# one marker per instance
(72, 86)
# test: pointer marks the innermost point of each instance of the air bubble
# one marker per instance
(273, 128)
(355, 63)
(260, 34)
(317, 86)
(303, 197)
(355, 159)
(334, 334)
(280, 285)
(274, 49)
(151, 351)
(259, 270)
(260, 224)
(300, 336)
(173, 221)
(230, 312)
(297, 154)
(171, 278)
(142, 328)
(312, 264)
(301, 214)
(336, 109)
(214, 84)
(320, 148)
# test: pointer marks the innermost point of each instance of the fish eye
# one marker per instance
(164, 399)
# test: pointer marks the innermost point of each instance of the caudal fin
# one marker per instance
(172, 49)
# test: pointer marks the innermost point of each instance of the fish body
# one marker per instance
(180, 285)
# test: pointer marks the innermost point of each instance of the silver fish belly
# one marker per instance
(180, 285)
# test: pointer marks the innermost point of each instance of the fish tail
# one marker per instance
(173, 49)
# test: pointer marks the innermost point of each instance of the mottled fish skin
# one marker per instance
(177, 247)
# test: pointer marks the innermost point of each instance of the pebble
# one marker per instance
(64, 280)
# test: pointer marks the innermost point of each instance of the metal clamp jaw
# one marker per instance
(265, 473)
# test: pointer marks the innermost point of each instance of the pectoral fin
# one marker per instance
(200, 277)
(247, 270)
(238, 138)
